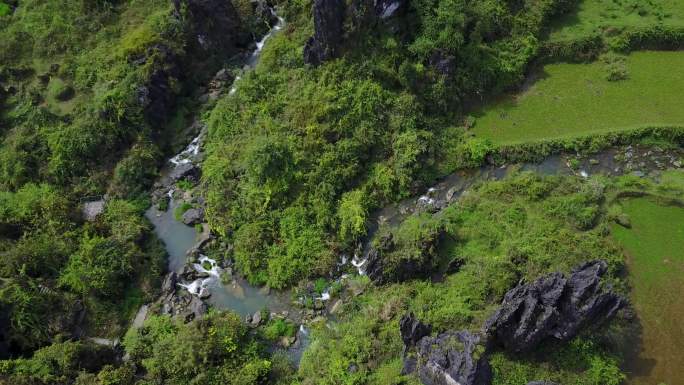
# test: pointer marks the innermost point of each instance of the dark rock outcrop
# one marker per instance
(215, 26)
(453, 358)
(389, 261)
(329, 18)
(412, 330)
(158, 97)
(554, 306)
(376, 265)
(447, 359)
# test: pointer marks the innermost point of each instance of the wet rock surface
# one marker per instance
(555, 306)
(184, 171)
(329, 18)
(179, 303)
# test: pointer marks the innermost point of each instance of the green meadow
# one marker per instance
(604, 16)
(569, 100)
(655, 249)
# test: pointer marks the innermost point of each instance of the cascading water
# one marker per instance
(202, 287)
(215, 284)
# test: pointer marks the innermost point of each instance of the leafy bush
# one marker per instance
(616, 66)
(180, 210)
(216, 349)
(279, 328)
(5, 9)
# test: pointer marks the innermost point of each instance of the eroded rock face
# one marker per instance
(376, 266)
(412, 330)
(554, 306)
(328, 31)
(451, 358)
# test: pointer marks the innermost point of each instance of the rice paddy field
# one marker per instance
(569, 100)
(655, 248)
(603, 16)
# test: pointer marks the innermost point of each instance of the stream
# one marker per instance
(640, 161)
(179, 239)
(247, 300)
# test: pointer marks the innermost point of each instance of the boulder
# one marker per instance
(412, 330)
(255, 320)
(91, 210)
(453, 358)
(264, 12)
(169, 284)
(185, 171)
(553, 306)
(325, 44)
(189, 273)
(193, 216)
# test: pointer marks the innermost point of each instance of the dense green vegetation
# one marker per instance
(81, 115)
(94, 94)
(215, 350)
(299, 156)
(501, 232)
(71, 123)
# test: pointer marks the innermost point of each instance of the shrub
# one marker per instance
(616, 66)
(5, 9)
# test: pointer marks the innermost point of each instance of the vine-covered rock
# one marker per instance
(453, 358)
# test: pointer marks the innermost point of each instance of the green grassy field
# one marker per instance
(577, 99)
(602, 15)
(655, 246)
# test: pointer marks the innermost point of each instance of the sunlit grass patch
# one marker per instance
(571, 100)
